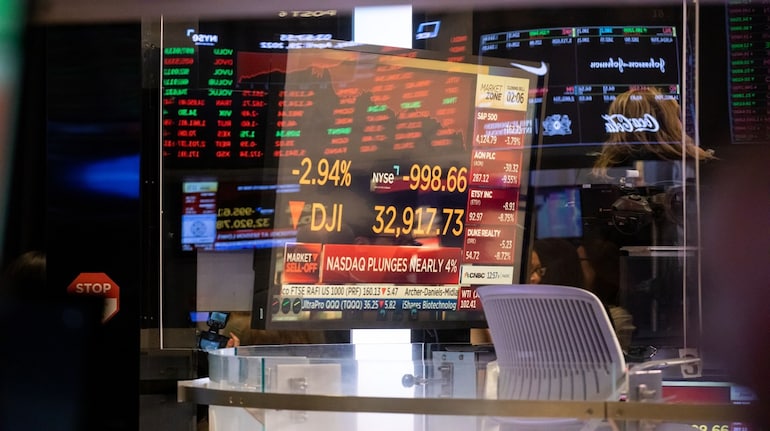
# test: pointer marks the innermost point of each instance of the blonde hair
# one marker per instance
(669, 142)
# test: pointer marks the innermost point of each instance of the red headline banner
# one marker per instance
(343, 263)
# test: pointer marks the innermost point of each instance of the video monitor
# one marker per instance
(372, 186)
(559, 212)
(592, 54)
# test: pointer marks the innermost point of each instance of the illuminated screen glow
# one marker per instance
(382, 183)
(593, 56)
(380, 238)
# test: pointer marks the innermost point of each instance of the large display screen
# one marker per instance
(381, 184)
(593, 54)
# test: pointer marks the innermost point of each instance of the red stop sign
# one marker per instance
(98, 284)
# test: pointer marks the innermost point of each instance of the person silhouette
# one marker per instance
(25, 276)
(645, 124)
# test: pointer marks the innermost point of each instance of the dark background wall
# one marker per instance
(76, 194)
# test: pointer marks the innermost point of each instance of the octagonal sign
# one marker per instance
(98, 284)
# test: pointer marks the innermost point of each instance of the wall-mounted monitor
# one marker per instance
(593, 54)
(558, 212)
(376, 186)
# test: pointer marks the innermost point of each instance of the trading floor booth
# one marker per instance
(302, 176)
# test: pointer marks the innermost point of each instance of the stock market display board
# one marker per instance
(386, 183)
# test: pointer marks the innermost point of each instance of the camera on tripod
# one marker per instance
(211, 339)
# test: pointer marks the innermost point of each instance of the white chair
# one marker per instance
(553, 343)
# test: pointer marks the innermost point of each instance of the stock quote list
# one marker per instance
(749, 39)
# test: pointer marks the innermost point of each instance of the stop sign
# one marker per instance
(98, 284)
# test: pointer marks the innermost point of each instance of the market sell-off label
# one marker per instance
(301, 263)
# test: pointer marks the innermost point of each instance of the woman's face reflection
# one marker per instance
(536, 269)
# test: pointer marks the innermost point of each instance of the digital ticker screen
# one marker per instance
(593, 55)
(384, 183)
(747, 24)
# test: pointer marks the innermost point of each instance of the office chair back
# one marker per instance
(552, 343)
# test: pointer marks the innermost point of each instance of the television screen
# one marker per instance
(593, 54)
(559, 212)
(376, 185)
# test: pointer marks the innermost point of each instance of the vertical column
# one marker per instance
(219, 88)
(496, 163)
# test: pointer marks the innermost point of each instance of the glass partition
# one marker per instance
(309, 182)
